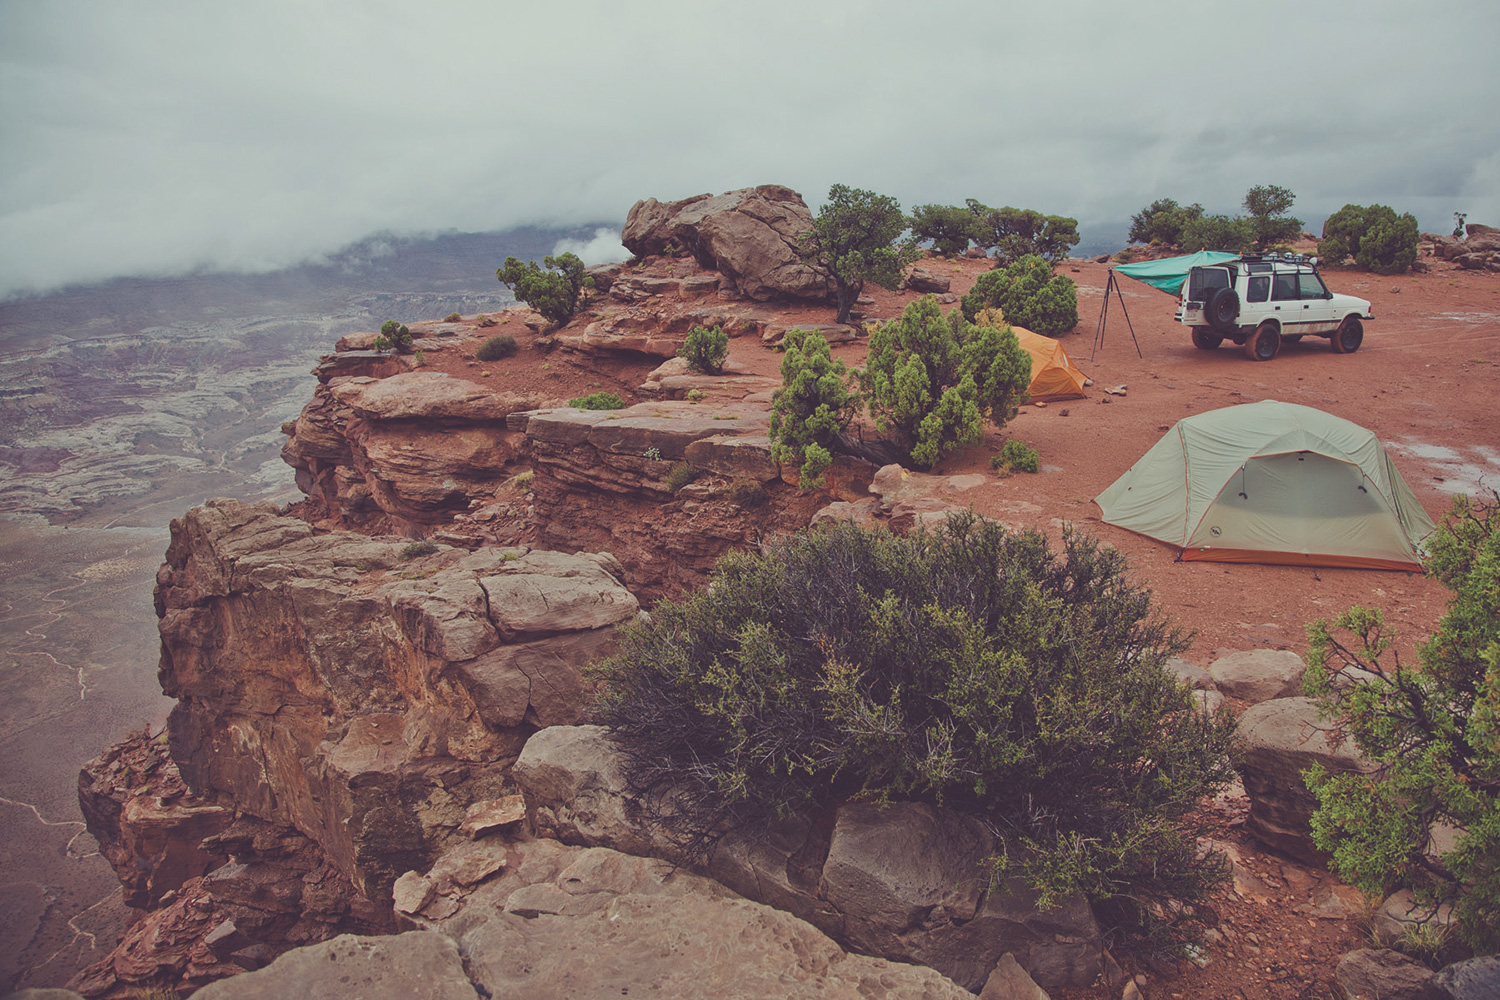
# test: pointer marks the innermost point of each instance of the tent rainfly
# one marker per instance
(1276, 483)
(1053, 374)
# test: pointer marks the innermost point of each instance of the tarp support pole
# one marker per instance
(1104, 317)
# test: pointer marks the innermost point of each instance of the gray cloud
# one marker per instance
(154, 137)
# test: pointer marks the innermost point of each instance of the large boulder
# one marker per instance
(1258, 675)
(1281, 739)
(540, 919)
(1473, 979)
(749, 236)
(396, 967)
(905, 883)
(1382, 974)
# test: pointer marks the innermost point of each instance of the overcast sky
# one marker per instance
(150, 137)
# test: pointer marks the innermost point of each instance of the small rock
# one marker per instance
(411, 892)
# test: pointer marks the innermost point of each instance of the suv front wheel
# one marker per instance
(1350, 334)
(1263, 344)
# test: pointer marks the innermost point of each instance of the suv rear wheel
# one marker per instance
(1263, 343)
(1205, 339)
(1350, 334)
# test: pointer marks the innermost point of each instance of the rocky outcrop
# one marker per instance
(749, 236)
(360, 690)
(604, 479)
(1478, 250)
(415, 448)
(279, 892)
(1280, 740)
(659, 328)
(150, 828)
(906, 883)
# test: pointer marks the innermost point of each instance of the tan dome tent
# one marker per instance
(1053, 374)
(1272, 482)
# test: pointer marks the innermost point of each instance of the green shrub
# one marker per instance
(1217, 232)
(1015, 456)
(1027, 294)
(394, 336)
(932, 381)
(1162, 221)
(495, 348)
(453, 318)
(679, 475)
(1376, 237)
(695, 395)
(554, 292)
(652, 454)
(967, 667)
(416, 550)
(950, 227)
(812, 408)
(598, 401)
(1433, 730)
(1020, 232)
(706, 349)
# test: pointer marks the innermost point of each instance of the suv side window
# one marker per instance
(1260, 288)
(1312, 286)
(1284, 287)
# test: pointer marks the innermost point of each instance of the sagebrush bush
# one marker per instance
(453, 318)
(931, 381)
(812, 408)
(1433, 732)
(706, 349)
(967, 666)
(1028, 294)
(598, 401)
(747, 493)
(679, 475)
(415, 550)
(495, 348)
(1015, 456)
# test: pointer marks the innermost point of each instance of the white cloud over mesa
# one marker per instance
(158, 137)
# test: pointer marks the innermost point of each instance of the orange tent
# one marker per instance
(1053, 374)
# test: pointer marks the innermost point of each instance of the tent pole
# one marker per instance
(1127, 317)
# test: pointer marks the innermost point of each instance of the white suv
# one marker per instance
(1261, 300)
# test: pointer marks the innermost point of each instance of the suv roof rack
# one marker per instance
(1290, 258)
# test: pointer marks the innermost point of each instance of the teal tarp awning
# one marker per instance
(1169, 273)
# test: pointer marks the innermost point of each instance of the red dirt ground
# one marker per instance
(1423, 381)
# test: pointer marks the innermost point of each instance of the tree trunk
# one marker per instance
(847, 294)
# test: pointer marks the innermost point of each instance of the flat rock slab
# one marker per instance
(1381, 974)
(399, 967)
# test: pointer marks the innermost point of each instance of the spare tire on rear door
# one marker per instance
(1221, 308)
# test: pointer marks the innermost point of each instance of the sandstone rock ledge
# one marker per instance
(359, 690)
